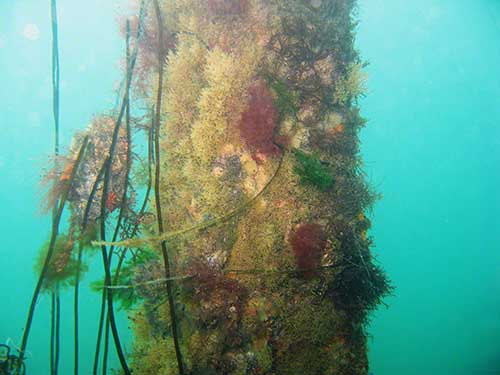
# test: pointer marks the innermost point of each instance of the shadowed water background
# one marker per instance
(431, 147)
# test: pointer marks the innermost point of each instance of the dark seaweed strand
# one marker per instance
(150, 172)
(75, 308)
(110, 320)
(52, 330)
(123, 205)
(99, 333)
(53, 238)
(107, 271)
(106, 260)
(105, 350)
(57, 342)
(135, 228)
(124, 108)
(159, 217)
(128, 83)
(129, 163)
(79, 266)
(144, 203)
(55, 75)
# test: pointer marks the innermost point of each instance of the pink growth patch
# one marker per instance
(226, 7)
(308, 242)
(258, 122)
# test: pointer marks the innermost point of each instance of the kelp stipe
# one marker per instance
(159, 214)
(56, 305)
(107, 271)
(123, 200)
(106, 256)
(87, 234)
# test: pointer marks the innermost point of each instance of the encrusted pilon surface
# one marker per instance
(259, 137)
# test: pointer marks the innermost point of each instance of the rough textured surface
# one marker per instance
(260, 137)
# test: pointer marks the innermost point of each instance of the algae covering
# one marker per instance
(239, 234)
(262, 191)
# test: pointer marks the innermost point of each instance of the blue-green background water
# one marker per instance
(432, 147)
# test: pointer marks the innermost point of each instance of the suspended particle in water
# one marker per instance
(31, 32)
(316, 3)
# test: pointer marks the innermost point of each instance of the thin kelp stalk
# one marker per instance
(85, 221)
(257, 272)
(107, 271)
(105, 350)
(99, 333)
(76, 308)
(127, 173)
(54, 328)
(123, 205)
(55, 75)
(159, 216)
(57, 338)
(107, 165)
(53, 238)
(128, 78)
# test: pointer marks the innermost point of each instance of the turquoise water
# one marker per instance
(431, 147)
(90, 51)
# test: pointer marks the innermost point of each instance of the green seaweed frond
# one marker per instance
(284, 99)
(312, 171)
(127, 297)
